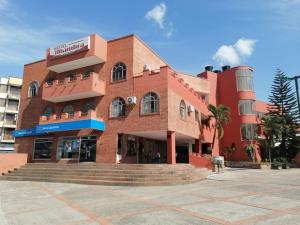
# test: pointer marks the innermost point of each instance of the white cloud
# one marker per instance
(226, 54)
(3, 4)
(244, 46)
(234, 54)
(157, 14)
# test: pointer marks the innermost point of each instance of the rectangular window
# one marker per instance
(42, 148)
(247, 107)
(249, 131)
(8, 134)
(244, 79)
(13, 105)
(15, 91)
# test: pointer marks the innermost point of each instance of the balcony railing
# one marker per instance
(10, 122)
(14, 95)
(64, 117)
(12, 107)
(72, 88)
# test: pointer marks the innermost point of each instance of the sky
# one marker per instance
(189, 34)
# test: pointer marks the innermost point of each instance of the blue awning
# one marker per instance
(42, 129)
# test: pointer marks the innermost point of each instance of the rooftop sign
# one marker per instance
(70, 47)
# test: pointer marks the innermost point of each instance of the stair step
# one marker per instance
(99, 182)
(108, 174)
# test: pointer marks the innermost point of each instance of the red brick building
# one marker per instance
(118, 101)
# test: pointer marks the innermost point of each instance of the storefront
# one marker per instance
(134, 149)
(82, 149)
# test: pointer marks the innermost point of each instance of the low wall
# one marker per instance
(244, 164)
(10, 161)
(198, 161)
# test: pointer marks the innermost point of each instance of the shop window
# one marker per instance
(182, 110)
(150, 103)
(69, 109)
(42, 148)
(119, 72)
(117, 108)
(247, 107)
(244, 79)
(33, 89)
(249, 131)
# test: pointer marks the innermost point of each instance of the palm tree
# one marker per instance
(272, 128)
(221, 115)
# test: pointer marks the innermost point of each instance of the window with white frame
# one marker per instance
(244, 79)
(182, 108)
(119, 72)
(249, 131)
(247, 107)
(117, 108)
(33, 89)
(150, 103)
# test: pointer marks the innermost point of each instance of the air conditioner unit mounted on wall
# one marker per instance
(131, 100)
(191, 108)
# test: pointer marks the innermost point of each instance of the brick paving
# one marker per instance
(234, 197)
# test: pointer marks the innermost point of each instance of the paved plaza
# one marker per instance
(237, 196)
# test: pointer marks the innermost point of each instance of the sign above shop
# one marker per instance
(70, 47)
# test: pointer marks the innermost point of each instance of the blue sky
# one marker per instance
(187, 34)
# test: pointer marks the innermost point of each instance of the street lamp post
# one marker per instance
(297, 89)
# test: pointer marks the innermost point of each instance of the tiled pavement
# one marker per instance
(233, 197)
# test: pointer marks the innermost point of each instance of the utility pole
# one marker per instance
(297, 89)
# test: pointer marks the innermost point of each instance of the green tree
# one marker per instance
(221, 115)
(272, 128)
(283, 104)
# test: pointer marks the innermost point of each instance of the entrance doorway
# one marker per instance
(182, 154)
(82, 149)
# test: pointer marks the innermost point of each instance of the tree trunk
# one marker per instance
(214, 137)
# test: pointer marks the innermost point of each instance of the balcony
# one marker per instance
(10, 123)
(76, 54)
(77, 121)
(79, 87)
(14, 95)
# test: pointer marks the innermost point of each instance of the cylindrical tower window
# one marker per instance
(244, 78)
(247, 107)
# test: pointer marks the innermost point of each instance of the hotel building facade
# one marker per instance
(117, 101)
(10, 90)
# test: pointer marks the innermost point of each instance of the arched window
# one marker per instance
(48, 111)
(117, 108)
(182, 110)
(87, 107)
(119, 71)
(150, 103)
(69, 109)
(33, 89)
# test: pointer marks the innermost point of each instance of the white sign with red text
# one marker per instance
(70, 47)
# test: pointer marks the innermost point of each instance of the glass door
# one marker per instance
(68, 148)
(88, 149)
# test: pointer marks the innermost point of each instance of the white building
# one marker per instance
(10, 90)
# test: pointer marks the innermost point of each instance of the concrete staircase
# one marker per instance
(108, 174)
